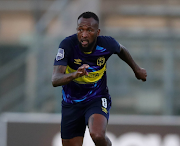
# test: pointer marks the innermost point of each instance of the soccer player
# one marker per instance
(80, 68)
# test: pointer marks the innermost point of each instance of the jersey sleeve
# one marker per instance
(114, 45)
(62, 54)
(111, 44)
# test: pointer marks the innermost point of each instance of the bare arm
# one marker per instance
(140, 73)
(59, 77)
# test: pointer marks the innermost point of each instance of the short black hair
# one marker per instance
(89, 15)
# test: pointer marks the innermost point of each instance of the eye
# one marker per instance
(89, 30)
(80, 30)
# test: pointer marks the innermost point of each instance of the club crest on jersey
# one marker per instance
(60, 54)
(100, 61)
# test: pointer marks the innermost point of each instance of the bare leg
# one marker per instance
(97, 127)
(76, 141)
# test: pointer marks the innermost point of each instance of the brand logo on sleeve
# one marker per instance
(60, 54)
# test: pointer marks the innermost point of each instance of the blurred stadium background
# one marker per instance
(31, 30)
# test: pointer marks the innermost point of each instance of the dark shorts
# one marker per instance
(75, 116)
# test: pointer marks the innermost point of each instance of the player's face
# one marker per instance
(87, 32)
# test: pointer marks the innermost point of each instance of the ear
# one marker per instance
(98, 32)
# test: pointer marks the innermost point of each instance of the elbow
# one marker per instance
(54, 83)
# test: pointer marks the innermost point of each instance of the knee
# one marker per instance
(97, 137)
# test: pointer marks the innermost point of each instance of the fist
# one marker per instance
(141, 74)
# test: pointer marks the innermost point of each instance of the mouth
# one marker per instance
(84, 42)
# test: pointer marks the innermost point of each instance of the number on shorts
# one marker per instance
(104, 102)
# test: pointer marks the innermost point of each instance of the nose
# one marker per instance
(84, 34)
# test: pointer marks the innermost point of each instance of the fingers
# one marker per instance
(145, 74)
(143, 80)
(141, 74)
(84, 66)
(82, 70)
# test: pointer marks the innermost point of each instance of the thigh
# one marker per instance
(76, 141)
(97, 124)
(98, 106)
(72, 122)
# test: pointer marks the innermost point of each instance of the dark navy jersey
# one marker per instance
(94, 84)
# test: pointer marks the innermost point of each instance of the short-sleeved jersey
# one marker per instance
(93, 85)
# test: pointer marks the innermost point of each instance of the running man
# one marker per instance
(80, 68)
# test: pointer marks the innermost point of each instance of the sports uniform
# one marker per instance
(88, 94)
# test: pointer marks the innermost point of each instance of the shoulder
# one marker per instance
(72, 37)
(65, 48)
(70, 40)
(107, 40)
(109, 43)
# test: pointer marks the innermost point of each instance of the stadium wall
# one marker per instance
(43, 130)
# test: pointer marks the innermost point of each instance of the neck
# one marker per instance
(88, 49)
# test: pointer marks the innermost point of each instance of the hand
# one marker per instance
(141, 74)
(81, 71)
